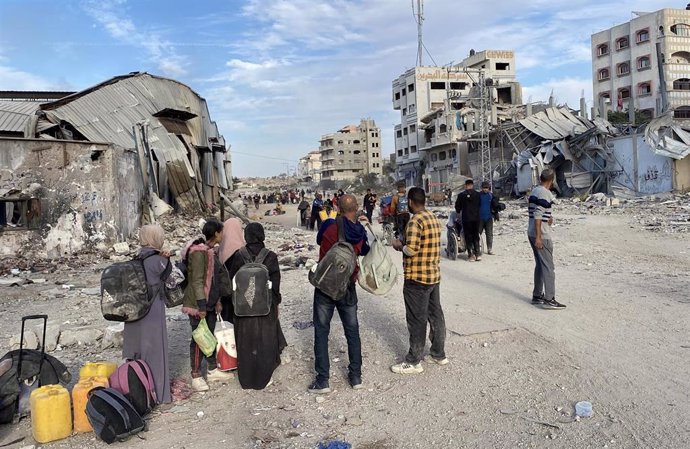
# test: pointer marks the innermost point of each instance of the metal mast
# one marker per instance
(484, 116)
(419, 18)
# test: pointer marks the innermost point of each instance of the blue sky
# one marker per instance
(278, 74)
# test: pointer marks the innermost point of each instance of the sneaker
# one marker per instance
(443, 361)
(199, 384)
(538, 300)
(478, 258)
(356, 382)
(490, 253)
(471, 259)
(319, 387)
(407, 368)
(552, 304)
(216, 375)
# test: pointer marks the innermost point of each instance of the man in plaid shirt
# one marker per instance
(421, 263)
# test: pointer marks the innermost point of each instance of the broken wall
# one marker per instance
(639, 168)
(681, 174)
(91, 193)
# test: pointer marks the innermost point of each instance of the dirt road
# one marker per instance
(516, 371)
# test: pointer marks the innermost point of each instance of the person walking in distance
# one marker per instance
(369, 203)
(467, 206)
(540, 238)
(488, 208)
(324, 306)
(400, 210)
(421, 290)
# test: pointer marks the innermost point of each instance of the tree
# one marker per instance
(622, 117)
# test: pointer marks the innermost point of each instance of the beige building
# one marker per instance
(425, 93)
(626, 64)
(309, 167)
(353, 150)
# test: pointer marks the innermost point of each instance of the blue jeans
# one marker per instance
(323, 313)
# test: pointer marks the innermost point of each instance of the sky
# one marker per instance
(278, 74)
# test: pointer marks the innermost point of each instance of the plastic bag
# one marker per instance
(203, 337)
(174, 288)
(226, 349)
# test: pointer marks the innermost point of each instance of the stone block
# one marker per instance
(30, 340)
(80, 337)
(121, 248)
(113, 336)
(52, 335)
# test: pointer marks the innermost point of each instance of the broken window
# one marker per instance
(504, 96)
(443, 128)
(622, 43)
(643, 36)
(604, 74)
(681, 57)
(442, 156)
(438, 85)
(175, 114)
(644, 88)
(681, 84)
(404, 111)
(681, 29)
(648, 114)
(682, 112)
(502, 66)
(603, 49)
(434, 157)
(19, 213)
(644, 62)
(623, 69)
(458, 86)
(413, 148)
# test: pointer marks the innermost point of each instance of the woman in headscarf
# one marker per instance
(260, 339)
(147, 338)
(232, 240)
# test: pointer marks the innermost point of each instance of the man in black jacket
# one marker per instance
(467, 205)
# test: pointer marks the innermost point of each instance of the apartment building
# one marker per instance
(353, 150)
(435, 111)
(309, 167)
(643, 63)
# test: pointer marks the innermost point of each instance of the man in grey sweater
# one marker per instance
(539, 233)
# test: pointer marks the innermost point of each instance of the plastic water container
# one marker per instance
(584, 409)
(97, 369)
(51, 413)
(80, 396)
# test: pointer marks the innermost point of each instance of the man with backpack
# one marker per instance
(421, 262)
(399, 208)
(347, 237)
(467, 206)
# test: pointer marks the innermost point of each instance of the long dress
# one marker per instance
(260, 340)
(147, 338)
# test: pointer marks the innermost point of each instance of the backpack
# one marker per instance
(125, 291)
(251, 287)
(401, 207)
(332, 274)
(134, 380)
(112, 416)
(377, 272)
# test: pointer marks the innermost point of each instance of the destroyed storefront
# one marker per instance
(97, 162)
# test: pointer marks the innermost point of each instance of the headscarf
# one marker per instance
(254, 233)
(152, 235)
(232, 239)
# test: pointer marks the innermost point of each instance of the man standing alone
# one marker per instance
(421, 262)
(467, 205)
(369, 203)
(539, 233)
(324, 306)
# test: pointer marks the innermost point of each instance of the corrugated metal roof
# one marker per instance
(555, 124)
(14, 115)
(660, 135)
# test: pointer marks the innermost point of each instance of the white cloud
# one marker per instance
(14, 79)
(565, 91)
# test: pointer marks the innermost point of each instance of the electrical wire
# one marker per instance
(263, 156)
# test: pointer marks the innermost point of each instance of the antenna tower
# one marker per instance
(419, 18)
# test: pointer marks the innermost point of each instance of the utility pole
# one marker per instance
(419, 18)
(484, 115)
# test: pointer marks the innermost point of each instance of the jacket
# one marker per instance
(467, 204)
(355, 234)
(194, 294)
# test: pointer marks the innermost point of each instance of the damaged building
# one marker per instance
(86, 168)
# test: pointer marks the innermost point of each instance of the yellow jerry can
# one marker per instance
(97, 369)
(51, 413)
(80, 396)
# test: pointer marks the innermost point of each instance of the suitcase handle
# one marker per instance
(21, 342)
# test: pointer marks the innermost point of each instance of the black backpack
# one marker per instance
(251, 287)
(112, 416)
(125, 291)
(332, 274)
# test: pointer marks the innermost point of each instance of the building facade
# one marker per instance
(352, 151)
(628, 61)
(309, 167)
(435, 111)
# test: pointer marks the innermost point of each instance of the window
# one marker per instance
(622, 43)
(405, 131)
(410, 88)
(502, 66)
(407, 151)
(436, 85)
(605, 95)
(603, 50)
(400, 152)
(604, 74)
(623, 69)
(681, 84)
(412, 108)
(453, 154)
(682, 112)
(413, 148)
(681, 29)
(397, 95)
(413, 128)
(340, 142)
(398, 134)
(642, 36)
(404, 92)
(624, 92)
(356, 152)
(356, 142)
(644, 88)
(443, 128)
(680, 57)
(404, 111)
(434, 157)
(442, 156)
(24, 214)
(644, 63)
(458, 86)
(341, 152)
(648, 114)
